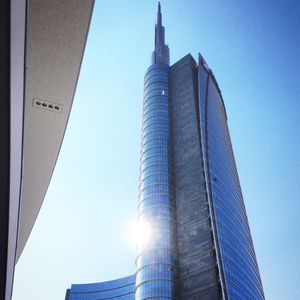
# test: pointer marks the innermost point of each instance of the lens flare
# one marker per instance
(140, 233)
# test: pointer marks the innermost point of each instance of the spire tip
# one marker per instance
(161, 50)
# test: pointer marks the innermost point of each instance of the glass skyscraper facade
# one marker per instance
(189, 195)
(157, 261)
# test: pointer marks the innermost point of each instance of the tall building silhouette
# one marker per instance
(190, 195)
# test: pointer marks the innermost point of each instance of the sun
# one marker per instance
(140, 233)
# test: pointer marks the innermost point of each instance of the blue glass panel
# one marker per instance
(238, 262)
(156, 197)
(120, 289)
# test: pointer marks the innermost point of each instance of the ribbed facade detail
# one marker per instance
(157, 260)
(238, 266)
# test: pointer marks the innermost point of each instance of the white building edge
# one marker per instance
(46, 45)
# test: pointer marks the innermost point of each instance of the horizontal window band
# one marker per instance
(157, 67)
(158, 91)
(157, 111)
(154, 264)
(162, 100)
(172, 208)
(163, 185)
(157, 70)
(163, 156)
(170, 176)
(156, 77)
(150, 193)
(167, 259)
(163, 134)
(159, 212)
(157, 124)
(159, 82)
(154, 113)
(162, 147)
(157, 164)
(156, 141)
(154, 251)
(156, 104)
(156, 152)
(155, 121)
(171, 226)
(163, 77)
(172, 197)
(165, 280)
(155, 177)
(146, 156)
(158, 130)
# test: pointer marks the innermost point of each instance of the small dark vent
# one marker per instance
(47, 105)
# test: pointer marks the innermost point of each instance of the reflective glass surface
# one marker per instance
(156, 261)
(235, 248)
(208, 223)
(119, 289)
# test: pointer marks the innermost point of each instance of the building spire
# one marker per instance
(161, 50)
(159, 16)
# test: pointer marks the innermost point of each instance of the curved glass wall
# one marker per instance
(238, 266)
(156, 260)
(119, 289)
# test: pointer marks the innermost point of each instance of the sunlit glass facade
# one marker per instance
(190, 194)
(237, 257)
(200, 245)
(157, 260)
(119, 289)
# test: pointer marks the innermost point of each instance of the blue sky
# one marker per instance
(253, 48)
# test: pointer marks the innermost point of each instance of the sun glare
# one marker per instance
(140, 233)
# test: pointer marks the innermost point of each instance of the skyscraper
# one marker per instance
(190, 196)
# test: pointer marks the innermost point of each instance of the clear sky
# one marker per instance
(253, 47)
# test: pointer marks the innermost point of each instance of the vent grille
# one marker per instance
(47, 105)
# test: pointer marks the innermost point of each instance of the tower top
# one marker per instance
(161, 50)
(159, 16)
